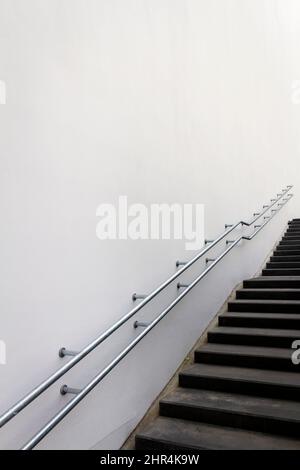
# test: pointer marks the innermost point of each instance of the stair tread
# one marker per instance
(238, 374)
(269, 289)
(268, 293)
(179, 433)
(233, 402)
(255, 331)
(274, 278)
(246, 350)
(265, 301)
(279, 253)
(283, 316)
(280, 261)
(279, 270)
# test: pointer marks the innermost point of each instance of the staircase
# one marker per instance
(243, 391)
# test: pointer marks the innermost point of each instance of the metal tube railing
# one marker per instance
(31, 396)
(80, 395)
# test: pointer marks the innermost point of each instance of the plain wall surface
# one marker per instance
(187, 101)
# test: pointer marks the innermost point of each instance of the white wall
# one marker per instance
(160, 100)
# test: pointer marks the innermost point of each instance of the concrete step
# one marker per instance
(242, 380)
(269, 293)
(264, 282)
(281, 252)
(271, 306)
(287, 321)
(233, 410)
(246, 356)
(285, 259)
(281, 272)
(176, 435)
(266, 337)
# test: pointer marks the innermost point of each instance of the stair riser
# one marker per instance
(285, 259)
(283, 264)
(280, 253)
(276, 295)
(232, 419)
(259, 322)
(281, 272)
(291, 236)
(241, 387)
(288, 246)
(289, 242)
(269, 283)
(262, 307)
(251, 340)
(237, 360)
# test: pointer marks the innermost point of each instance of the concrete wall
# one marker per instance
(160, 100)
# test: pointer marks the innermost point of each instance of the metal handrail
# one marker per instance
(81, 394)
(21, 404)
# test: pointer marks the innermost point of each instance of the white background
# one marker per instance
(160, 100)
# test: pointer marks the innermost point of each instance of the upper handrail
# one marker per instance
(27, 399)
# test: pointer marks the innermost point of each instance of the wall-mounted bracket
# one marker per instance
(66, 352)
(182, 286)
(141, 324)
(180, 263)
(65, 389)
(138, 297)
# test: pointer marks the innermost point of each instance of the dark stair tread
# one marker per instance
(280, 271)
(282, 303)
(275, 278)
(256, 331)
(291, 247)
(243, 354)
(270, 293)
(170, 433)
(234, 403)
(283, 264)
(279, 253)
(270, 289)
(243, 374)
(264, 315)
(242, 350)
(260, 320)
(263, 282)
